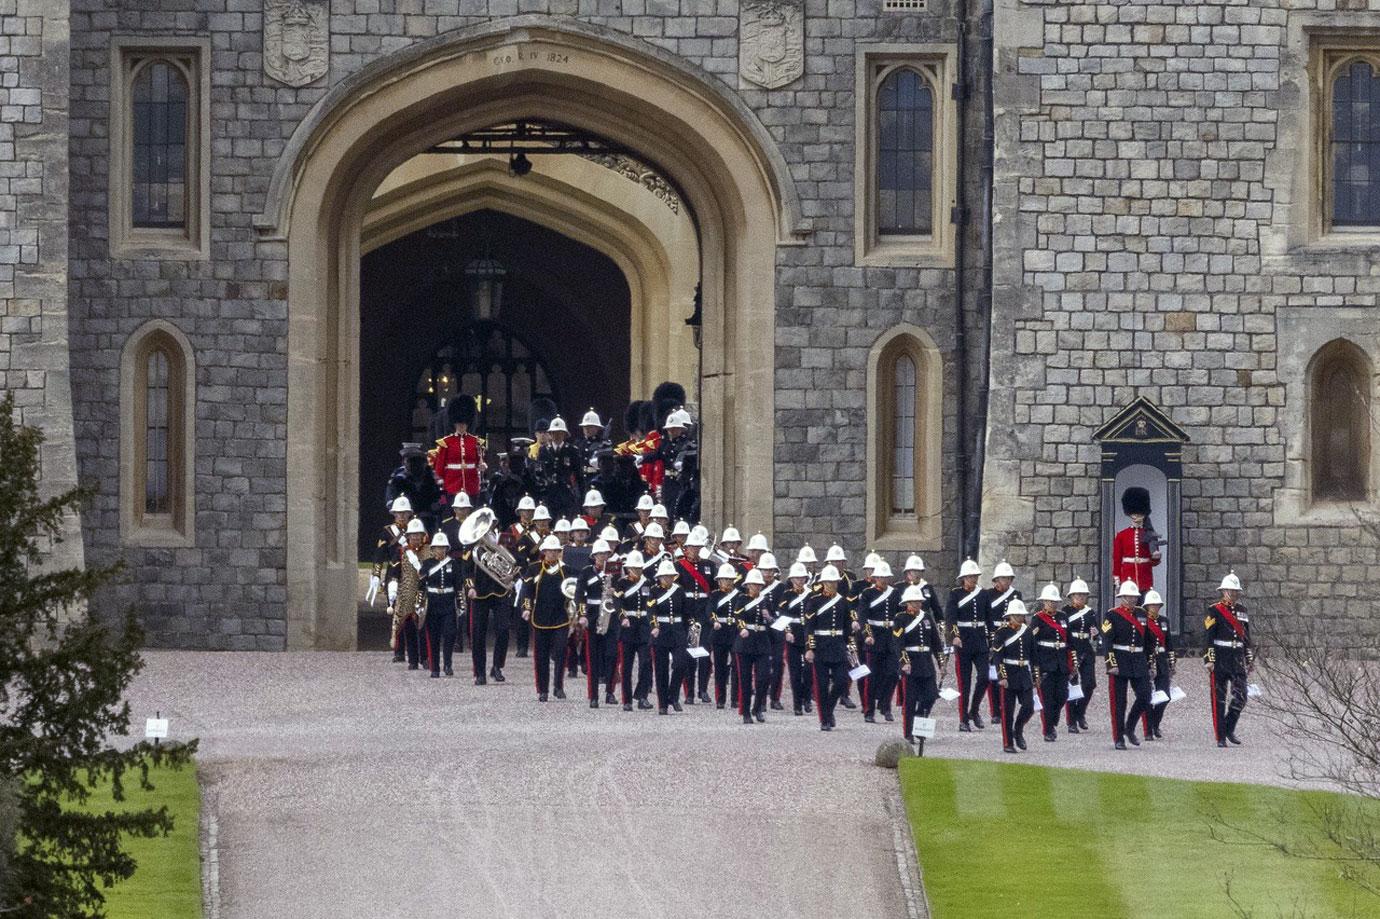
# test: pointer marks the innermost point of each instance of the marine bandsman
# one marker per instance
(1128, 669)
(1011, 648)
(1084, 631)
(878, 606)
(440, 578)
(829, 642)
(635, 634)
(968, 633)
(753, 649)
(670, 656)
(724, 605)
(919, 636)
(991, 607)
(1053, 658)
(544, 609)
(1163, 662)
(1229, 658)
(601, 648)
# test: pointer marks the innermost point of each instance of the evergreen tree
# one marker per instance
(62, 684)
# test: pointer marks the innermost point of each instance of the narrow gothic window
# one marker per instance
(156, 449)
(158, 164)
(905, 154)
(1341, 423)
(903, 436)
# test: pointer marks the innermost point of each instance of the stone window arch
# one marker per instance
(159, 148)
(1340, 422)
(157, 437)
(905, 440)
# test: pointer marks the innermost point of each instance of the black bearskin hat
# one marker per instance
(632, 417)
(1135, 501)
(541, 410)
(669, 392)
(647, 420)
(460, 410)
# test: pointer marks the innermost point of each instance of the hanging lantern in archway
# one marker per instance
(484, 279)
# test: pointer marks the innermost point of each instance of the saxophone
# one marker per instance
(606, 601)
(693, 636)
(853, 662)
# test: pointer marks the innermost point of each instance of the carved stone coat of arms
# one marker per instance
(297, 35)
(771, 42)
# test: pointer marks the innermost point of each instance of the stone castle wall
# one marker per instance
(1155, 242)
(228, 589)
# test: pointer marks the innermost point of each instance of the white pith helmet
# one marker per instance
(1051, 592)
(400, 505)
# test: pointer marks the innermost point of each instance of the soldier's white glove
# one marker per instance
(392, 593)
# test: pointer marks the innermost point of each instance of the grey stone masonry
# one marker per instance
(33, 239)
(1154, 238)
(228, 590)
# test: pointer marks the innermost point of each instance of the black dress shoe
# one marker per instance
(414, 666)
(689, 700)
(627, 706)
(886, 716)
(1051, 737)
(810, 707)
(541, 697)
(1222, 744)
(909, 738)
(719, 705)
(1072, 728)
(776, 706)
(798, 711)
(1020, 741)
(826, 727)
(1082, 724)
(1149, 735)
(643, 705)
(1233, 738)
(847, 702)
(521, 653)
(480, 681)
(676, 707)
(559, 693)
(965, 728)
(1158, 735)
(761, 718)
(610, 699)
(1132, 739)
(704, 697)
(870, 719)
(1008, 749)
(450, 671)
(662, 711)
(499, 677)
(593, 703)
(747, 719)
(398, 658)
(1121, 745)
(978, 722)
(435, 674)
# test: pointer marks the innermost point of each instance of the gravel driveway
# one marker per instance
(342, 785)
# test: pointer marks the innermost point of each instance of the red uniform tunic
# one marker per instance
(1131, 558)
(456, 461)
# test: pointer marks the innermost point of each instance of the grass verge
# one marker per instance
(1004, 839)
(167, 882)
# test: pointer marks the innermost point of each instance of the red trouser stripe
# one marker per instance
(1005, 734)
(1212, 700)
(906, 719)
(1111, 700)
(962, 689)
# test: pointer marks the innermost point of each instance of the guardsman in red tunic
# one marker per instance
(1136, 549)
(458, 459)
(1229, 657)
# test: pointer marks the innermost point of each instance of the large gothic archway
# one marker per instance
(691, 128)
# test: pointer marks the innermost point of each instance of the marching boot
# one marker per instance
(676, 706)
(1233, 738)
(1008, 749)
(1072, 728)
(1020, 740)
(413, 666)
(978, 722)
(847, 702)
(1222, 743)
(704, 697)
(499, 677)
(798, 711)
(643, 705)
(776, 706)
(559, 693)
(593, 703)
(760, 716)
(450, 671)
(610, 699)
(965, 728)
(627, 706)
(1051, 737)
(886, 716)
(870, 718)
(662, 710)
(542, 697)
(398, 658)
(435, 674)
(1082, 724)
(1121, 745)
(480, 681)
(1132, 739)
(747, 719)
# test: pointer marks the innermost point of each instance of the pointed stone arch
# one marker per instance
(679, 120)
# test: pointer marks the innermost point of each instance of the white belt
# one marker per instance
(1131, 560)
(829, 632)
(1126, 648)
(664, 619)
(880, 623)
(1051, 644)
(440, 590)
(970, 625)
(696, 595)
(1010, 663)
(755, 628)
(462, 465)
(633, 615)
(917, 648)
(1228, 644)
(1086, 636)
(589, 602)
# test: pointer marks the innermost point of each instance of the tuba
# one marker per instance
(477, 534)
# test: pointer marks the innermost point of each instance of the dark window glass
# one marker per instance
(495, 364)
(1356, 147)
(158, 187)
(1341, 424)
(903, 437)
(157, 496)
(905, 154)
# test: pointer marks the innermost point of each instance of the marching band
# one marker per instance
(665, 609)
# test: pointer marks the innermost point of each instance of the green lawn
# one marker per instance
(167, 883)
(1003, 840)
